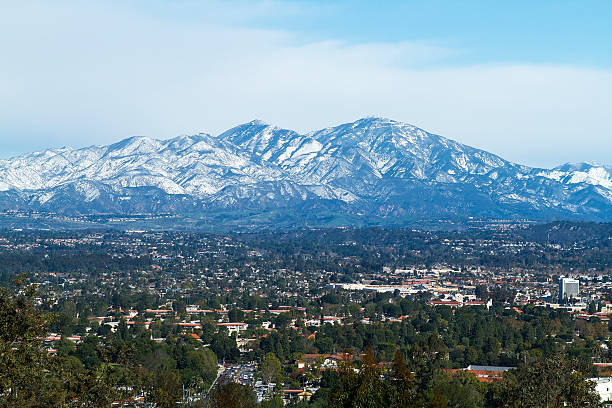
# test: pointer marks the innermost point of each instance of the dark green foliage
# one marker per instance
(92, 373)
(232, 395)
(275, 402)
(23, 363)
(29, 376)
(550, 383)
(460, 390)
(271, 368)
(165, 389)
(224, 347)
(235, 315)
(555, 382)
(364, 388)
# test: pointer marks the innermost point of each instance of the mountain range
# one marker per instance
(373, 170)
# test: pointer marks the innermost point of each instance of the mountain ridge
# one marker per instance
(373, 167)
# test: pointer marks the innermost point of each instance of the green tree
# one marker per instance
(24, 364)
(460, 390)
(224, 347)
(362, 389)
(232, 395)
(93, 388)
(555, 382)
(235, 315)
(592, 307)
(403, 380)
(270, 368)
(282, 321)
(29, 376)
(275, 402)
(165, 389)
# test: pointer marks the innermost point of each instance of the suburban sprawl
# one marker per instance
(309, 318)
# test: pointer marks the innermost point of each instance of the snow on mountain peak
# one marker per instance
(258, 122)
(379, 163)
(134, 145)
(581, 173)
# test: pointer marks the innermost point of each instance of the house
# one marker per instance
(234, 327)
(300, 395)
(484, 373)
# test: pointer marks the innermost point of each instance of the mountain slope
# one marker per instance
(371, 168)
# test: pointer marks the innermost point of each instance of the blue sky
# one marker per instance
(568, 32)
(530, 81)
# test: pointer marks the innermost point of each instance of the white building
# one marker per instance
(568, 288)
(603, 386)
(234, 327)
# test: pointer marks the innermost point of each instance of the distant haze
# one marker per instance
(530, 83)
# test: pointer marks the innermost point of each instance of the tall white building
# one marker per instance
(568, 288)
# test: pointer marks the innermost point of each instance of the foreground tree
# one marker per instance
(364, 388)
(275, 402)
(555, 382)
(457, 390)
(166, 389)
(232, 395)
(403, 382)
(29, 376)
(25, 367)
(271, 368)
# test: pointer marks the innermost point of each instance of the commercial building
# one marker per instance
(568, 288)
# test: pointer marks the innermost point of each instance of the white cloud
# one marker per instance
(82, 73)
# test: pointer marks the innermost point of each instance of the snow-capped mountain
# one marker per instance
(373, 167)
